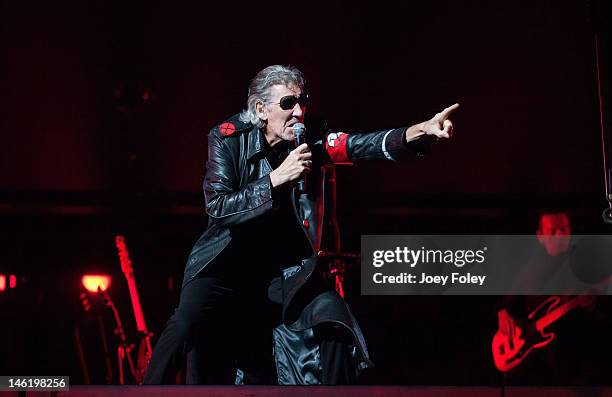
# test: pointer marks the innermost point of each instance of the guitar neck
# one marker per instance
(557, 313)
(128, 271)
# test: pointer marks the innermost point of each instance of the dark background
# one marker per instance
(105, 110)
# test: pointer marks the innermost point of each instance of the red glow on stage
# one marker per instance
(12, 281)
(92, 281)
(2, 282)
(339, 288)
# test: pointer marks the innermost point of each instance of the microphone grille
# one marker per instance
(299, 128)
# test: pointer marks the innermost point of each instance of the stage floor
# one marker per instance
(317, 391)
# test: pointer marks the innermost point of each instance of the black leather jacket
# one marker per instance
(237, 185)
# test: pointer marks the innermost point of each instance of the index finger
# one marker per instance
(446, 112)
(302, 148)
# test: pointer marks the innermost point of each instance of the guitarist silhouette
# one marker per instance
(518, 338)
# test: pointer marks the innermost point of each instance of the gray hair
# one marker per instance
(259, 89)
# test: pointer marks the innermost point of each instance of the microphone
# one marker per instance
(299, 129)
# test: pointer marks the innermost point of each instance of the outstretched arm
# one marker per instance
(393, 144)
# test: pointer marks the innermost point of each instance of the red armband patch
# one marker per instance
(336, 148)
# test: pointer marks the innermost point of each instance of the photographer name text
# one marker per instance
(423, 278)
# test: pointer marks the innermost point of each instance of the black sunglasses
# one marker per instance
(288, 102)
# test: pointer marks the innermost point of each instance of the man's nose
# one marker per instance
(298, 110)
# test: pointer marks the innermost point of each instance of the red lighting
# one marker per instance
(12, 281)
(92, 281)
(2, 282)
(554, 233)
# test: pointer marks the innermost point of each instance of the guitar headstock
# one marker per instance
(124, 256)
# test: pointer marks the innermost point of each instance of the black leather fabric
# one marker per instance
(297, 356)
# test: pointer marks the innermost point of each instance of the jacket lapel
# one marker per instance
(256, 143)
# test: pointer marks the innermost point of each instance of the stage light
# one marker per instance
(12, 281)
(92, 281)
(2, 282)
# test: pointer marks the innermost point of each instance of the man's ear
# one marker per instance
(261, 111)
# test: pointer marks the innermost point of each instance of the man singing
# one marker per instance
(254, 309)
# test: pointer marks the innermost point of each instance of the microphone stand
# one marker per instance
(338, 260)
(607, 213)
(599, 14)
(336, 265)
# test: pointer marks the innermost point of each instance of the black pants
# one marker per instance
(224, 321)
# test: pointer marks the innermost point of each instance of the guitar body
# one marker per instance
(511, 348)
(508, 351)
